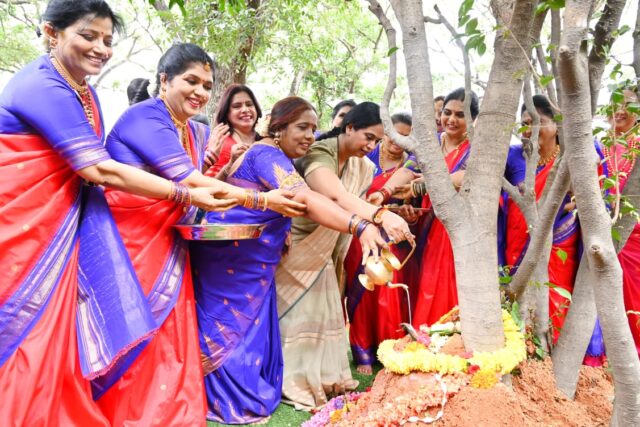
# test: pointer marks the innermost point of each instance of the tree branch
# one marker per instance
(627, 223)
(603, 39)
(542, 227)
(636, 44)
(467, 70)
(406, 142)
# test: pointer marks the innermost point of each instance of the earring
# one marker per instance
(53, 43)
(276, 139)
(163, 93)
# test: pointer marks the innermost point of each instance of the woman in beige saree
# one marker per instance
(309, 281)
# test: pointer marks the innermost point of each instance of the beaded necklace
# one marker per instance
(399, 160)
(181, 126)
(81, 89)
(620, 164)
(544, 160)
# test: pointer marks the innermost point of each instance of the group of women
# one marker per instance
(107, 317)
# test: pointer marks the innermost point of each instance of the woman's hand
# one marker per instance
(217, 136)
(376, 198)
(237, 150)
(371, 242)
(281, 202)
(409, 213)
(405, 191)
(211, 199)
(396, 227)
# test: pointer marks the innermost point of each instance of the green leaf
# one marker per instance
(471, 27)
(545, 80)
(615, 234)
(562, 255)
(392, 51)
(558, 118)
(505, 280)
(515, 314)
(560, 291)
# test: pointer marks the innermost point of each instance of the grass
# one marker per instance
(287, 416)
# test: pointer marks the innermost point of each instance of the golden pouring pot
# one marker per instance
(380, 271)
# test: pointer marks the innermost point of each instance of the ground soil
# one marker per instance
(531, 400)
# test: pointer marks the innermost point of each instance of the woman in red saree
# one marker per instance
(620, 160)
(235, 131)
(376, 316)
(70, 303)
(163, 383)
(437, 293)
(565, 255)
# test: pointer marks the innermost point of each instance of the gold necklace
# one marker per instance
(82, 89)
(544, 160)
(443, 147)
(181, 127)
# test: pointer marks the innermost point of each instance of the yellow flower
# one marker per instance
(417, 357)
(484, 379)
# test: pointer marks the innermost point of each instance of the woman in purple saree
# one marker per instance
(234, 280)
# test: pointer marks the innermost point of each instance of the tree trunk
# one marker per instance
(595, 222)
(636, 44)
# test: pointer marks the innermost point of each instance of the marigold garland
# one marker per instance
(417, 357)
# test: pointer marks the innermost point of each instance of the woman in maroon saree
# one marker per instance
(376, 316)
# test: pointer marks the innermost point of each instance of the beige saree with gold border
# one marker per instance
(309, 284)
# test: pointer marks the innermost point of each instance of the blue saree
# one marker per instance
(236, 298)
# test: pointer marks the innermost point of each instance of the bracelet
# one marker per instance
(180, 194)
(265, 201)
(353, 223)
(386, 194)
(376, 218)
(419, 188)
(361, 227)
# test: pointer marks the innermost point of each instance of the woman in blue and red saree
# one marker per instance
(70, 303)
(163, 385)
(234, 280)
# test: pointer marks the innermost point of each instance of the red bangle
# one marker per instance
(386, 194)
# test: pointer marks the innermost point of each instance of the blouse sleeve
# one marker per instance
(145, 130)
(321, 154)
(412, 164)
(274, 170)
(516, 166)
(54, 111)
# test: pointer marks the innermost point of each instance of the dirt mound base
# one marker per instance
(533, 400)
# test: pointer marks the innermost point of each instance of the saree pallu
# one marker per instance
(374, 316)
(68, 312)
(629, 257)
(565, 251)
(437, 292)
(161, 383)
(236, 298)
(312, 326)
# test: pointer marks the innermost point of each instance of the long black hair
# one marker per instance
(178, 58)
(361, 116)
(62, 14)
(222, 115)
(137, 91)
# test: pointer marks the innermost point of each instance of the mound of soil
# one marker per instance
(532, 400)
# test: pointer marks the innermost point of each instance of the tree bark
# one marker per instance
(602, 41)
(636, 44)
(595, 222)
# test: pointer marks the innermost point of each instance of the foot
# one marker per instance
(262, 421)
(364, 369)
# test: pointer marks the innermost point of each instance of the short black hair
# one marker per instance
(178, 58)
(64, 13)
(458, 95)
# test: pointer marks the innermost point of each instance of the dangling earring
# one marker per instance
(163, 94)
(276, 139)
(53, 43)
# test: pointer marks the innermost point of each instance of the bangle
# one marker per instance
(265, 201)
(361, 227)
(180, 194)
(376, 218)
(353, 223)
(418, 188)
(250, 201)
(386, 194)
